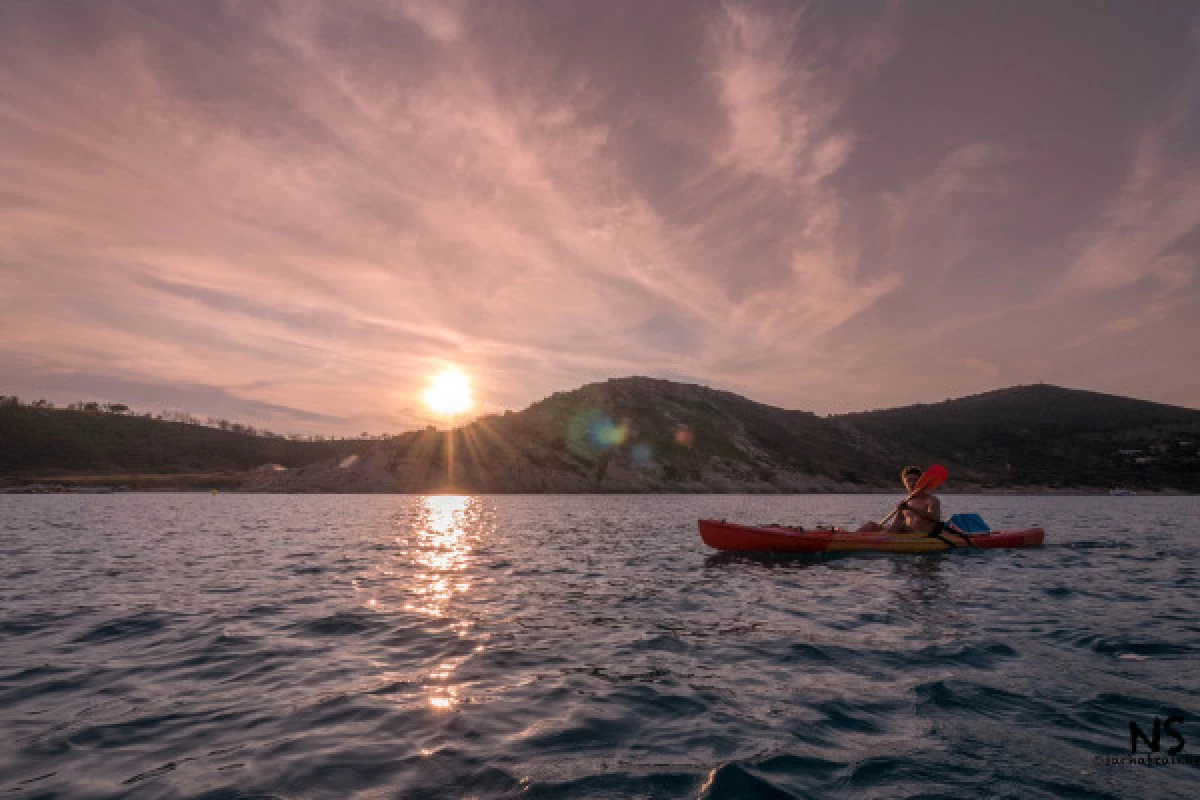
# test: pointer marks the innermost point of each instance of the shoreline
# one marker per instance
(230, 484)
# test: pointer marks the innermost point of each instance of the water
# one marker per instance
(332, 646)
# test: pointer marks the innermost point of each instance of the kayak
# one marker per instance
(721, 535)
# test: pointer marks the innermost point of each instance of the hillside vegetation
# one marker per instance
(644, 435)
(38, 441)
(1045, 436)
(640, 434)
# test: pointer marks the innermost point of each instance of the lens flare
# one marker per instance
(684, 436)
(591, 432)
(604, 433)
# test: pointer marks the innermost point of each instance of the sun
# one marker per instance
(450, 392)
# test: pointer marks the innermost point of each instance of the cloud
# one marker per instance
(1156, 208)
(317, 207)
(1153, 212)
(438, 20)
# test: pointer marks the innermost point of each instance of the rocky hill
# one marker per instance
(644, 435)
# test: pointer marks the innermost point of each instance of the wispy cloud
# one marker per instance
(315, 207)
(1155, 209)
(1143, 232)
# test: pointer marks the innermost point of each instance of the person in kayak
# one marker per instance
(921, 513)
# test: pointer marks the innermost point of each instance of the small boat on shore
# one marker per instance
(778, 539)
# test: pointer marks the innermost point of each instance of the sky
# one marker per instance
(295, 214)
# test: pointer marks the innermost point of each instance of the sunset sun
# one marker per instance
(450, 392)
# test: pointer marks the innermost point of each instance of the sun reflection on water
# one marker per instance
(433, 549)
(442, 552)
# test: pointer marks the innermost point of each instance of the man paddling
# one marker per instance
(920, 513)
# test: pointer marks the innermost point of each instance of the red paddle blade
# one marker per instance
(932, 478)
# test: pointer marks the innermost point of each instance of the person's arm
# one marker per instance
(933, 515)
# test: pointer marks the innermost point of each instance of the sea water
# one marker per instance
(195, 645)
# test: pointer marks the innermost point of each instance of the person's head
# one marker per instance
(910, 476)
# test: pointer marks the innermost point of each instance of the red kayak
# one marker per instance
(721, 535)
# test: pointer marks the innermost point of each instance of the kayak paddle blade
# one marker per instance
(932, 478)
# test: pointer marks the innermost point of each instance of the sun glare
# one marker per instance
(450, 392)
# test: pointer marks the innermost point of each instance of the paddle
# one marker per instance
(931, 478)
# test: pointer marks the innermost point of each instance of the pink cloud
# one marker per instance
(315, 208)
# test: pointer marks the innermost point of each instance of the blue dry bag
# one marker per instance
(968, 523)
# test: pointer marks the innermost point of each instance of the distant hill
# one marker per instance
(1044, 435)
(645, 435)
(40, 442)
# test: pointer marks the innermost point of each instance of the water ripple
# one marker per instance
(255, 646)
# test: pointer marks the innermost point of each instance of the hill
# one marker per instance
(644, 435)
(1044, 435)
(623, 435)
(45, 442)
